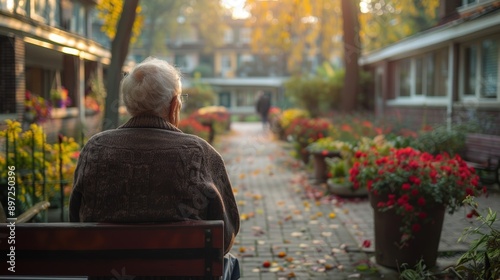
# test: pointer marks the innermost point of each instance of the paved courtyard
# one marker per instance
(289, 230)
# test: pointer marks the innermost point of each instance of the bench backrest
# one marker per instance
(481, 147)
(191, 248)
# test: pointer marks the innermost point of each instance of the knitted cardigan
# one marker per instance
(147, 170)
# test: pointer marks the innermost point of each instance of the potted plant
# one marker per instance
(410, 191)
(339, 178)
(36, 109)
(304, 131)
(322, 149)
(338, 171)
(60, 98)
(289, 115)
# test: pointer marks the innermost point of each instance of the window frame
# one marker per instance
(477, 96)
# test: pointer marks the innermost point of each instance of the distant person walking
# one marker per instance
(262, 107)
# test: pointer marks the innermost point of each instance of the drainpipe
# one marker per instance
(452, 77)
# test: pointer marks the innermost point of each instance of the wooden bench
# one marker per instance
(482, 152)
(191, 248)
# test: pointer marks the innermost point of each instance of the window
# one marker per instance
(480, 69)
(228, 36)
(226, 61)
(38, 10)
(181, 61)
(245, 35)
(404, 79)
(423, 76)
(489, 68)
(245, 98)
(78, 19)
(470, 67)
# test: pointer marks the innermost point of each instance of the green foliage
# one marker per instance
(203, 70)
(418, 272)
(97, 90)
(317, 95)
(385, 22)
(443, 139)
(198, 97)
(482, 260)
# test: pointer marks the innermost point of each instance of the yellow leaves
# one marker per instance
(332, 215)
(110, 11)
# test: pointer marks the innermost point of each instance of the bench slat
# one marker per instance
(482, 152)
(97, 249)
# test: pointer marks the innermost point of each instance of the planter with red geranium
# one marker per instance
(410, 191)
(304, 131)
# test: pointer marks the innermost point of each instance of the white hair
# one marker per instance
(150, 87)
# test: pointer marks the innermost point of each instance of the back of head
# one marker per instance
(150, 87)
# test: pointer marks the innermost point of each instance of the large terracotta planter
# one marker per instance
(320, 166)
(387, 236)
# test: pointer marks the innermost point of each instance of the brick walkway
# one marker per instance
(301, 237)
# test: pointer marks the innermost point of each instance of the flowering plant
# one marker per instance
(338, 167)
(413, 183)
(192, 126)
(218, 116)
(305, 131)
(37, 109)
(289, 115)
(60, 98)
(41, 160)
(325, 146)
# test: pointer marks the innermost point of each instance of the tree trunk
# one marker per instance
(119, 52)
(352, 51)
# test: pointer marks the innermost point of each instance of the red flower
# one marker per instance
(422, 215)
(369, 184)
(421, 201)
(469, 191)
(408, 207)
(416, 227)
(415, 180)
(472, 213)
(367, 244)
(406, 187)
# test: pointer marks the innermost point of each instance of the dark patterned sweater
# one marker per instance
(147, 170)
